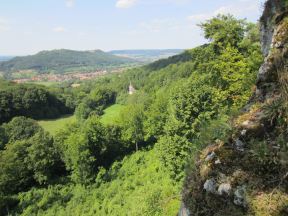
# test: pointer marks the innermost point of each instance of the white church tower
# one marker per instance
(131, 89)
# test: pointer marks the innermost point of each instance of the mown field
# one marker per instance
(54, 125)
(111, 114)
(45, 83)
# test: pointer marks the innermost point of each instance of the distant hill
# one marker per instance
(148, 55)
(5, 58)
(62, 61)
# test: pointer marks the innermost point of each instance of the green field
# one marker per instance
(45, 83)
(111, 114)
(54, 125)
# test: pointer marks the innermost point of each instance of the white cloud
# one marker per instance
(155, 26)
(125, 3)
(3, 25)
(70, 3)
(59, 29)
(28, 33)
(240, 9)
(82, 34)
(177, 1)
(158, 25)
(199, 17)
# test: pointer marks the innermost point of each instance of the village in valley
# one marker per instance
(66, 77)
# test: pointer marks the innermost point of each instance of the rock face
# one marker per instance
(232, 179)
(224, 189)
(268, 19)
(274, 40)
(210, 186)
(239, 196)
(184, 211)
(239, 145)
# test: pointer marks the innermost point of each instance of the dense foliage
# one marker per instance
(177, 100)
(30, 101)
(95, 103)
(139, 185)
(29, 156)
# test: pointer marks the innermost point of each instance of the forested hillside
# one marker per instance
(61, 61)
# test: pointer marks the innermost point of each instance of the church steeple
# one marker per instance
(131, 89)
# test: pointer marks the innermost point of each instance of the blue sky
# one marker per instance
(27, 27)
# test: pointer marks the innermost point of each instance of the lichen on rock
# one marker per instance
(240, 196)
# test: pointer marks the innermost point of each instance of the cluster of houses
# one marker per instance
(69, 77)
(62, 77)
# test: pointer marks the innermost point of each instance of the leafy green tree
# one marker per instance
(223, 30)
(96, 137)
(103, 96)
(6, 106)
(132, 119)
(84, 109)
(95, 103)
(21, 128)
(105, 141)
(79, 159)
(28, 161)
(116, 146)
(90, 147)
(7, 203)
(156, 116)
(3, 138)
(63, 135)
(68, 143)
(233, 77)
(174, 152)
(43, 159)
(189, 104)
(250, 47)
(14, 173)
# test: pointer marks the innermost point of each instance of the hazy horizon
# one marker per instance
(3, 55)
(32, 26)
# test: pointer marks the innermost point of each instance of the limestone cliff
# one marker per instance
(248, 173)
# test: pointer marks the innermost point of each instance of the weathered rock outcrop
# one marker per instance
(248, 173)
